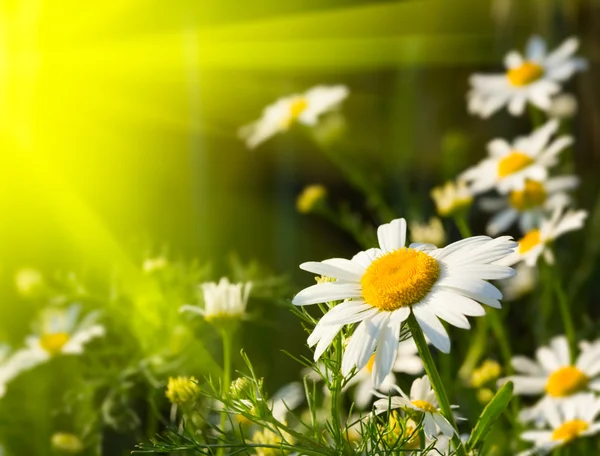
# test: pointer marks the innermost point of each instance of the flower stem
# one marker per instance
(336, 391)
(226, 379)
(436, 380)
(463, 226)
(565, 312)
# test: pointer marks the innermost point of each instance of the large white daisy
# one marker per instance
(536, 242)
(528, 205)
(382, 286)
(534, 78)
(568, 420)
(305, 108)
(510, 165)
(554, 376)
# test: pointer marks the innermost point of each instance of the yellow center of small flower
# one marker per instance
(533, 195)
(566, 381)
(370, 363)
(513, 162)
(399, 279)
(53, 343)
(525, 74)
(569, 430)
(424, 405)
(296, 108)
(529, 241)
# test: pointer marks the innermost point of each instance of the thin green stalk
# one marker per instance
(226, 379)
(336, 396)
(565, 311)
(536, 116)
(436, 380)
(463, 226)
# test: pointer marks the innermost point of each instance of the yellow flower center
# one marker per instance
(533, 195)
(525, 74)
(529, 241)
(513, 162)
(424, 405)
(569, 430)
(566, 381)
(370, 363)
(399, 279)
(296, 108)
(53, 343)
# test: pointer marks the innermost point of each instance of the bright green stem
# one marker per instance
(463, 226)
(226, 379)
(336, 392)
(436, 380)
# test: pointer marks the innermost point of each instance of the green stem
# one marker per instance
(336, 391)
(436, 380)
(565, 311)
(463, 226)
(502, 339)
(536, 116)
(226, 379)
(476, 349)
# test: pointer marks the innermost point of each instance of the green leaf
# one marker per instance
(489, 415)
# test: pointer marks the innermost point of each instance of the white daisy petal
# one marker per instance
(326, 292)
(432, 327)
(392, 235)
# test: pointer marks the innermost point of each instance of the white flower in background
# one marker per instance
(28, 281)
(303, 108)
(509, 166)
(534, 78)
(554, 376)
(522, 283)
(286, 398)
(422, 399)
(568, 420)
(528, 205)
(536, 242)
(151, 265)
(452, 198)
(407, 361)
(428, 233)
(563, 106)
(222, 300)
(382, 286)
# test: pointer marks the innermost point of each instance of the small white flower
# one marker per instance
(382, 287)
(28, 281)
(522, 283)
(536, 242)
(286, 398)
(568, 420)
(428, 233)
(222, 300)
(554, 376)
(534, 79)
(452, 198)
(151, 265)
(407, 361)
(563, 106)
(422, 399)
(528, 205)
(303, 108)
(509, 166)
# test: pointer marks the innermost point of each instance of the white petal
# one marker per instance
(432, 327)
(325, 292)
(392, 235)
(387, 348)
(350, 272)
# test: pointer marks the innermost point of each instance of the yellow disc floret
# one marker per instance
(569, 430)
(297, 107)
(424, 405)
(513, 162)
(182, 390)
(566, 381)
(529, 241)
(54, 342)
(525, 74)
(399, 279)
(533, 195)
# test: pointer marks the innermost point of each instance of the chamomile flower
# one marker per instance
(533, 78)
(554, 376)
(422, 399)
(568, 420)
(528, 205)
(381, 287)
(510, 165)
(431, 232)
(536, 242)
(223, 300)
(452, 198)
(305, 108)
(407, 361)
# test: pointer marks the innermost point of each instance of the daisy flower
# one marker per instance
(536, 242)
(528, 205)
(29, 281)
(222, 300)
(509, 166)
(422, 399)
(554, 376)
(428, 233)
(534, 78)
(452, 198)
(382, 286)
(568, 420)
(305, 108)
(407, 361)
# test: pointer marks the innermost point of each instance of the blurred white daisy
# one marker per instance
(151, 265)
(522, 283)
(222, 300)
(554, 376)
(303, 108)
(431, 232)
(382, 286)
(407, 361)
(563, 106)
(509, 166)
(422, 399)
(529, 204)
(534, 78)
(536, 242)
(452, 198)
(29, 281)
(568, 420)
